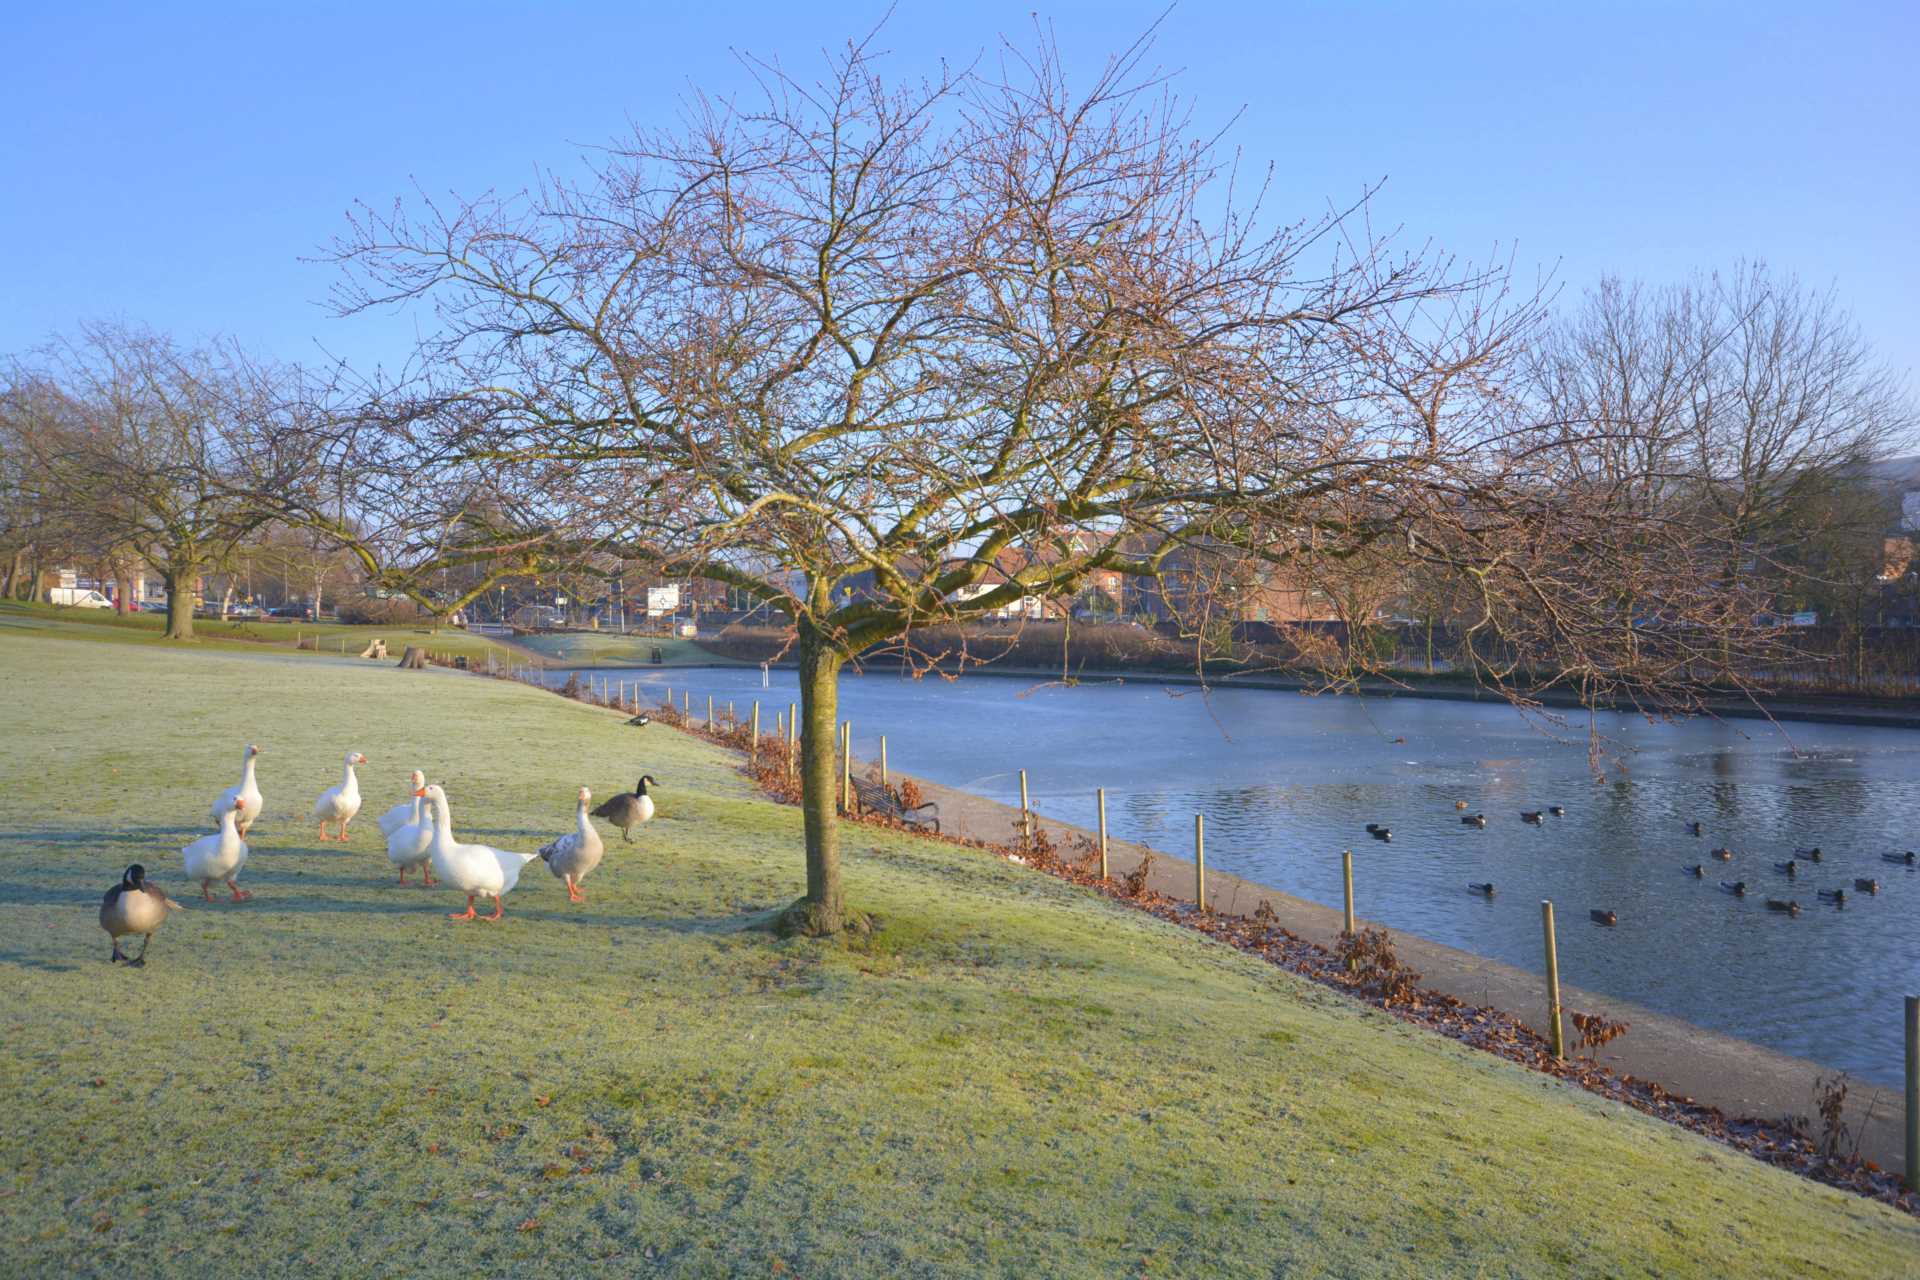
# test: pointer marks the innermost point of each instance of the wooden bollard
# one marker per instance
(753, 743)
(686, 704)
(709, 713)
(1200, 861)
(846, 766)
(1100, 796)
(793, 736)
(1556, 1034)
(1913, 1093)
(1026, 813)
(1346, 871)
(883, 760)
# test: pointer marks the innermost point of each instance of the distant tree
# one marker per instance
(874, 335)
(161, 452)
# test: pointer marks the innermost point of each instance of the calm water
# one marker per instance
(1287, 781)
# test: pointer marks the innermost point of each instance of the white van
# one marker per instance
(79, 598)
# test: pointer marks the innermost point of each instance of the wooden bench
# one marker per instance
(875, 798)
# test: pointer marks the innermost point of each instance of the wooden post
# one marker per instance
(686, 704)
(793, 736)
(883, 760)
(1913, 1093)
(1346, 869)
(1100, 795)
(1200, 861)
(1556, 1033)
(753, 748)
(709, 713)
(1026, 813)
(733, 721)
(846, 766)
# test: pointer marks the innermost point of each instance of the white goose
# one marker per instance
(408, 843)
(573, 855)
(407, 810)
(339, 804)
(477, 870)
(219, 857)
(246, 790)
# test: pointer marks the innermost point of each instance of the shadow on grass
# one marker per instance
(27, 960)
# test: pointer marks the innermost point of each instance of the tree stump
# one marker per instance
(414, 659)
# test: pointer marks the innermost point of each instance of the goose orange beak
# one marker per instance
(421, 792)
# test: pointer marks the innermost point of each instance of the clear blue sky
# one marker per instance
(173, 163)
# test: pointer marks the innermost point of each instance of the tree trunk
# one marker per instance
(823, 910)
(179, 602)
(319, 581)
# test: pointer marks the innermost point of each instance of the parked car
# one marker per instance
(153, 606)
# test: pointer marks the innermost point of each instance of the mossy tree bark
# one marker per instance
(823, 910)
(180, 582)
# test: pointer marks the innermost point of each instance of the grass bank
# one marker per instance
(610, 649)
(149, 628)
(1014, 1078)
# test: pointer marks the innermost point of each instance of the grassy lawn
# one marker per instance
(147, 628)
(1013, 1079)
(609, 649)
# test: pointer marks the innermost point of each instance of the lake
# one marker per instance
(1287, 781)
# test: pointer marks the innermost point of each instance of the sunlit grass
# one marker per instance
(1014, 1078)
(610, 649)
(329, 637)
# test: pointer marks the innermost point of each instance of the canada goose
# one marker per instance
(1787, 868)
(1865, 885)
(1906, 858)
(1738, 888)
(1811, 855)
(1603, 917)
(1484, 890)
(1725, 855)
(1791, 907)
(1474, 820)
(1556, 810)
(1697, 871)
(641, 721)
(629, 809)
(1694, 827)
(134, 906)
(1535, 817)
(1836, 896)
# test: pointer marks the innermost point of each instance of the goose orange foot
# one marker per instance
(467, 914)
(497, 911)
(239, 894)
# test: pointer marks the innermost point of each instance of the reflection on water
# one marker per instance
(1287, 781)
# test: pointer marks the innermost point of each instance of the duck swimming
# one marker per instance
(1906, 858)
(1738, 888)
(1694, 827)
(1836, 896)
(1697, 871)
(1725, 855)
(1484, 890)
(1474, 820)
(1865, 885)
(1811, 855)
(1536, 817)
(1556, 810)
(134, 906)
(1791, 907)
(1603, 917)
(1787, 868)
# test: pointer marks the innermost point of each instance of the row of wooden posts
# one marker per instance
(612, 694)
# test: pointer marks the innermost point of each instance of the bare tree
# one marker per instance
(163, 452)
(844, 345)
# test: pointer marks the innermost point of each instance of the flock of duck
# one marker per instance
(1791, 868)
(419, 835)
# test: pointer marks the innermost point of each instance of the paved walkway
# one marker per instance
(1739, 1077)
